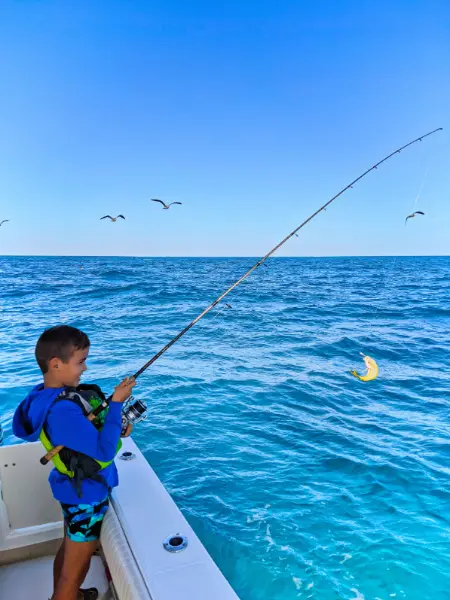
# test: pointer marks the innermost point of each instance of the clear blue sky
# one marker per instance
(251, 113)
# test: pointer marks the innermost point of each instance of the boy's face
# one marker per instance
(69, 373)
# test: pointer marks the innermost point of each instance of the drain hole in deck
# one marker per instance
(176, 541)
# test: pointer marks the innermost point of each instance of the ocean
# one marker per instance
(300, 480)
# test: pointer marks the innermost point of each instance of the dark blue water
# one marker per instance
(301, 481)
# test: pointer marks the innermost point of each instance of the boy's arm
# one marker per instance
(68, 426)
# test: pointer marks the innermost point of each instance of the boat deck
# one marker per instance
(136, 531)
(34, 579)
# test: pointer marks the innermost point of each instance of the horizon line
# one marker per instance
(222, 256)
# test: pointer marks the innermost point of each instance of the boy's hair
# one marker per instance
(59, 342)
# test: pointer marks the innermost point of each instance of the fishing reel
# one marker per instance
(133, 411)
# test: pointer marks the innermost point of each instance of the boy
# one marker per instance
(84, 471)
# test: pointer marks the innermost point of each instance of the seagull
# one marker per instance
(165, 206)
(418, 212)
(113, 219)
(4, 221)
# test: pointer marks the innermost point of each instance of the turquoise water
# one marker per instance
(301, 481)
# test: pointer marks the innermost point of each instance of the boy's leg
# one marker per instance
(76, 562)
(82, 526)
(58, 563)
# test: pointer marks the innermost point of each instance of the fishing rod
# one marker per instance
(136, 411)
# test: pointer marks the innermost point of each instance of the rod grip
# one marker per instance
(48, 457)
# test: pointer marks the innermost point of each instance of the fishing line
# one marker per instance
(104, 404)
(431, 158)
(421, 187)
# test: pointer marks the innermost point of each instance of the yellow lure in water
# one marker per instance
(372, 369)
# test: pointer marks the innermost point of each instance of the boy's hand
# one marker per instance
(123, 391)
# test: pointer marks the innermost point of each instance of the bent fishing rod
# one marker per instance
(45, 459)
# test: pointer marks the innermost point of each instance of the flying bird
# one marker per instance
(164, 205)
(4, 221)
(418, 212)
(113, 219)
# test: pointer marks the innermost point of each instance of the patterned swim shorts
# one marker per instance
(84, 521)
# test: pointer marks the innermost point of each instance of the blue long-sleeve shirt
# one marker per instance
(67, 425)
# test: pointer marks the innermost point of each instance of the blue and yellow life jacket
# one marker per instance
(76, 465)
